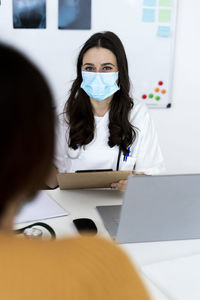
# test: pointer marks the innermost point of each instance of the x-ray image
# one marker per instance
(74, 14)
(29, 13)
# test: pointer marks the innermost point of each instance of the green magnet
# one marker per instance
(157, 98)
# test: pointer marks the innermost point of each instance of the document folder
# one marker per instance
(84, 180)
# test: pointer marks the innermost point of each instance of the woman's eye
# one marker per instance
(107, 68)
(89, 69)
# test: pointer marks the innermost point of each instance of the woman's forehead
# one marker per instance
(99, 55)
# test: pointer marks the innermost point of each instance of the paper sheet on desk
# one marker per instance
(40, 208)
(178, 278)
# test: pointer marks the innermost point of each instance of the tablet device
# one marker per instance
(97, 170)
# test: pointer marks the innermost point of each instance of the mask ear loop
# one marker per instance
(118, 81)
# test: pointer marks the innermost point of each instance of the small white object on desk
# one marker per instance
(40, 208)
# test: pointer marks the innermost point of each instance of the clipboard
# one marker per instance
(85, 180)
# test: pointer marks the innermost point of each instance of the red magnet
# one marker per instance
(144, 96)
(160, 82)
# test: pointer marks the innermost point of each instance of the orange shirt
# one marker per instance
(85, 268)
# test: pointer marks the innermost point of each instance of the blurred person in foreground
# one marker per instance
(74, 268)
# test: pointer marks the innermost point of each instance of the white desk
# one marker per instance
(82, 203)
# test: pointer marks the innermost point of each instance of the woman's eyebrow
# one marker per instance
(104, 64)
(88, 64)
(108, 64)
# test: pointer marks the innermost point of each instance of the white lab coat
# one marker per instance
(145, 154)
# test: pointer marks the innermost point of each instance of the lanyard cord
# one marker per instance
(49, 228)
(118, 159)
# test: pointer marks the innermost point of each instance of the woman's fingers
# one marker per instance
(121, 185)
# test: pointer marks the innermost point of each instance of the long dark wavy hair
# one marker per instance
(78, 110)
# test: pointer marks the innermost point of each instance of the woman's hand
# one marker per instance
(51, 180)
(120, 186)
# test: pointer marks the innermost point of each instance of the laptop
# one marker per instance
(156, 208)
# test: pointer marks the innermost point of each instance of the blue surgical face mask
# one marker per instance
(99, 86)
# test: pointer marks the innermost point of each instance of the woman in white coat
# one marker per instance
(102, 127)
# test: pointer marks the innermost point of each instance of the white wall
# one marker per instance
(179, 127)
(55, 51)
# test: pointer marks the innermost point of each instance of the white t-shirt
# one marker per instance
(145, 154)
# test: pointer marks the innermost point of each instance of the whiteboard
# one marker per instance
(154, 39)
(149, 51)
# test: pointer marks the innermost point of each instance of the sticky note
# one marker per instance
(165, 2)
(164, 15)
(163, 31)
(148, 15)
(149, 2)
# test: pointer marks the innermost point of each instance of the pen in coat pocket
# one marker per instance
(127, 155)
